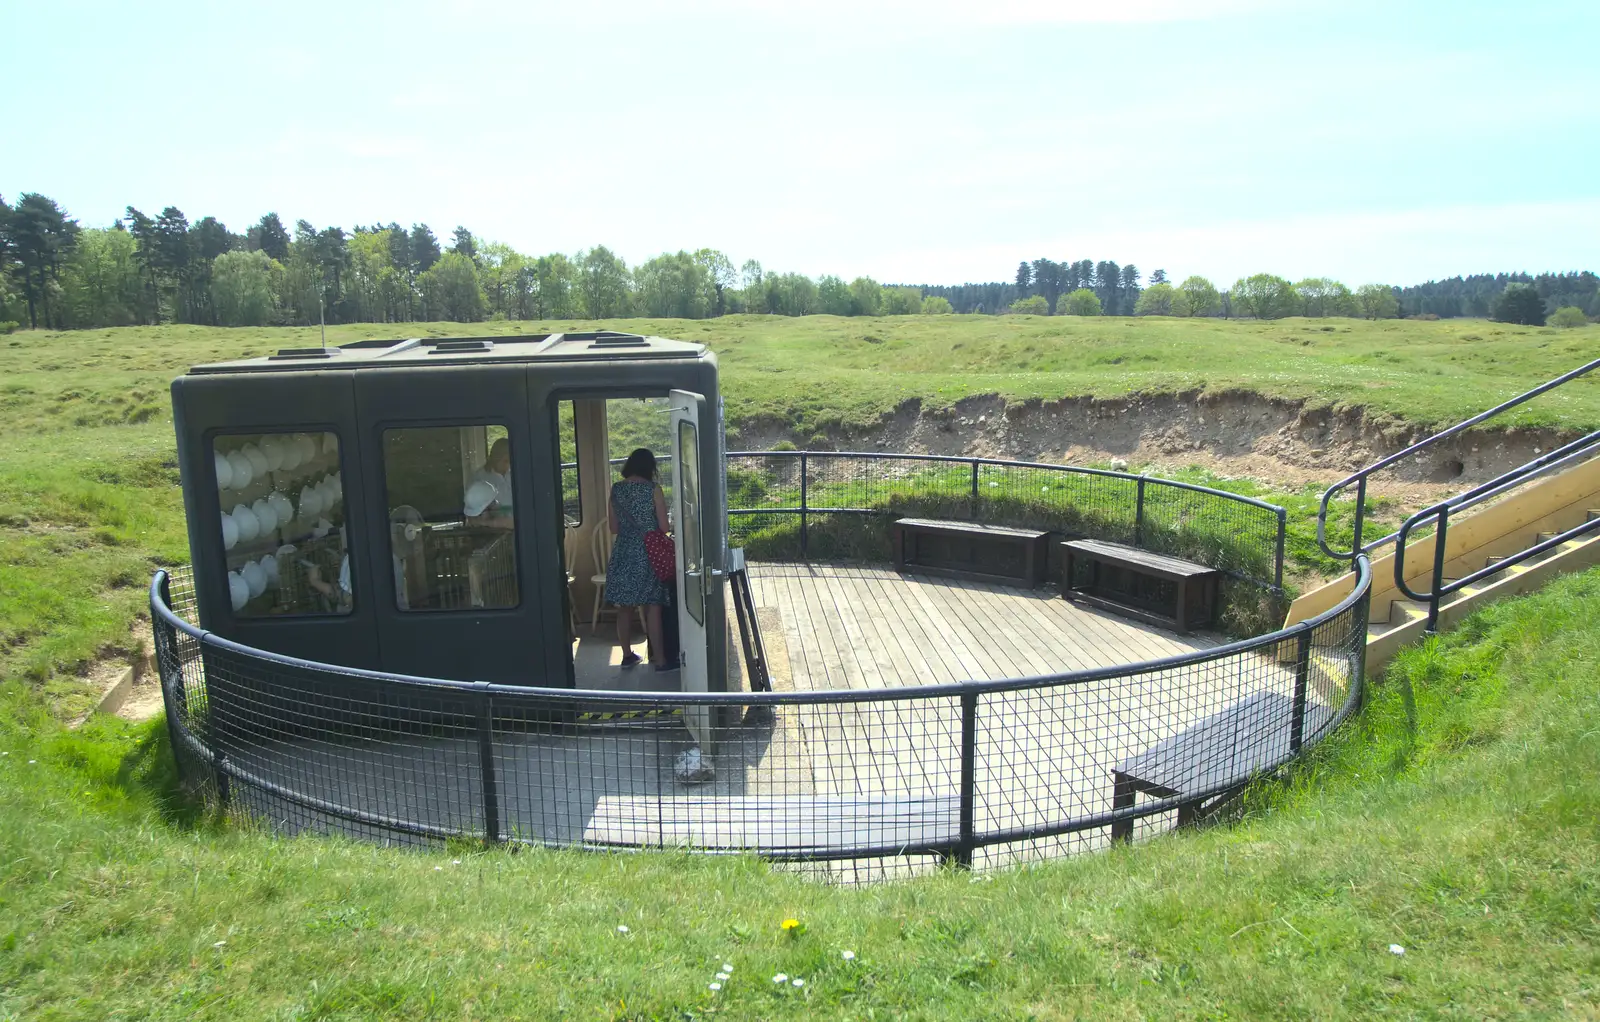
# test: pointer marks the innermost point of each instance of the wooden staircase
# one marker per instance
(1540, 511)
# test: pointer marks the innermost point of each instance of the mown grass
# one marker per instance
(1454, 818)
(89, 504)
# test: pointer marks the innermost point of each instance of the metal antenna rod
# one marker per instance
(322, 318)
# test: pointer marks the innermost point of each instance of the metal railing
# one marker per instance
(1242, 536)
(1439, 515)
(871, 782)
(1360, 478)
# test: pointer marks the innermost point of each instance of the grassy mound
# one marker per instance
(1455, 818)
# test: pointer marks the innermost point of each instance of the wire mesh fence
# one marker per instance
(794, 505)
(848, 784)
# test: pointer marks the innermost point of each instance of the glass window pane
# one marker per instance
(452, 520)
(567, 439)
(689, 528)
(283, 535)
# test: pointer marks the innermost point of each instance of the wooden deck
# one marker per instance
(850, 627)
(884, 773)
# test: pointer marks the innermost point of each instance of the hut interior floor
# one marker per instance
(597, 663)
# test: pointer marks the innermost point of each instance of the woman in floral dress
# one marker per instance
(637, 506)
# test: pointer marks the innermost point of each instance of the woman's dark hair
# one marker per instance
(641, 463)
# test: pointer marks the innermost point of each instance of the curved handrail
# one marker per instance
(1360, 477)
(1559, 458)
(957, 459)
(956, 846)
(959, 848)
(610, 696)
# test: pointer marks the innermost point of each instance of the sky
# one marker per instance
(934, 141)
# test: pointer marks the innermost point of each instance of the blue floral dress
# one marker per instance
(629, 580)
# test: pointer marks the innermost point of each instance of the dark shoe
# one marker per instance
(631, 659)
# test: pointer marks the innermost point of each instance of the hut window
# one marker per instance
(452, 534)
(567, 437)
(283, 537)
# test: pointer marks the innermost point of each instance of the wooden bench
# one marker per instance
(1162, 590)
(1222, 751)
(775, 823)
(968, 550)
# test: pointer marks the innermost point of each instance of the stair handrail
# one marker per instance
(1560, 458)
(1359, 478)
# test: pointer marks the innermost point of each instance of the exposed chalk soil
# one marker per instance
(1235, 433)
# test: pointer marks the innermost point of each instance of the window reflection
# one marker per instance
(283, 536)
(452, 517)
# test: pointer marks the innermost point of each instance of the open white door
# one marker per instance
(688, 517)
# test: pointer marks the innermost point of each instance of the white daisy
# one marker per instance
(1396, 949)
(780, 978)
(848, 956)
(799, 982)
(622, 929)
(716, 986)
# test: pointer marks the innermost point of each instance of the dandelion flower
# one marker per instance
(780, 978)
(622, 929)
(799, 982)
(848, 956)
(716, 986)
(790, 924)
(1396, 949)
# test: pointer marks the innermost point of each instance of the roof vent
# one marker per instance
(302, 353)
(619, 341)
(470, 344)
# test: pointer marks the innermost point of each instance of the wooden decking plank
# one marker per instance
(967, 647)
(1025, 647)
(945, 647)
(917, 640)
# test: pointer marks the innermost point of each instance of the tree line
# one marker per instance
(166, 268)
(143, 269)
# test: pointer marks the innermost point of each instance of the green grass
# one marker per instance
(1456, 817)
(89, 504)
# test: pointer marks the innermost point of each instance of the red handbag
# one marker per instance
(658, 549)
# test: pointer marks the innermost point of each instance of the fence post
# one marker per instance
(1277, 571)
(969, 754)
(974, 512)
(1361, 514)
(1438, 569)
(219, 776)
(1302, 674)
(491, 794)
(804, 471)
(1138, 516)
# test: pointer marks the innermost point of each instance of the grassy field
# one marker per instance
(1454, 819)
(89, 502)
